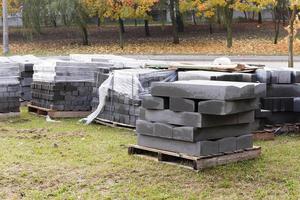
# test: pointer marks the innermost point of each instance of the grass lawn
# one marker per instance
(249, 38)
(66, 160)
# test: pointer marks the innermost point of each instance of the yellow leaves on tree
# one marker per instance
(13, 6)
(125, 9)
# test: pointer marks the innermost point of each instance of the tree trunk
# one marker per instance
(245, 14)
(194, 17)
(121, 23)
(135, 23)
(210, 28)
(259, 18)
(98, 21)
(54, 23)
(5, 28)
(121, 33)
(276, 24)
(174, 24)
(218, 15)
(277, 18)
(162, 18)
(228, 21)
(291, 37)
(147, 30)
(85, 37)
(179, 18)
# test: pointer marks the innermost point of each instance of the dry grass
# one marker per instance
(249, 39)
(40, 160)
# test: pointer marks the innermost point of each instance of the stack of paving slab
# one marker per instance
(26, 72)
(127, 88)
(235, 77)
(63, 85)
(102, 74)
(9, 87)
(109, 64)
(282, 104)
(198, 117)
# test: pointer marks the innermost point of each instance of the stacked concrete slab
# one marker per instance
(282, 102)
(26, 72)
(63, 85)
(236, 77)
(197, 117)
(9, 88)
(102, 73)
(128, 86)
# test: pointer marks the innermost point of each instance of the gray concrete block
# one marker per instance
(260, 90)
(282, 76)
(278, 104)
(163, 130)
(283, 90)
(220, 76)
(261, 113)
(227, 144)
(183, 105)
(244, 142)
(283, 117)
(191, 134)
(263, 76)
(258, 124)
(194, 119)
(296, 76)
(144, 127)
(218, 107)
(156, 103)
(197, 89)
(203, 148)
(297, 104)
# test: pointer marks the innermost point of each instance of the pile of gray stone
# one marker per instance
(102, 73)
(126, 89)
(282, 103)
(26, 72)
(9, 88)
(198, 117)
(63, 85)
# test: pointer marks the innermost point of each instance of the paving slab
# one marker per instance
(227, 145)
(283, 90)
(218, 107)
(163, 130)
(156, 103)
(144, 127)
(194, 119)
(244, 142)
(183, 105)
(206, 90)
(203, 148)
(191, 134)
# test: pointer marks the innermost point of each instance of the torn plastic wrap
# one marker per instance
(132, 83)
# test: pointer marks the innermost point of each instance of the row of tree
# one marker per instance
(38, 13)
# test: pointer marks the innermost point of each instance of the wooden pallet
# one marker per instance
(113, 124)
(193, 162)
(56, 114)
(264, 135)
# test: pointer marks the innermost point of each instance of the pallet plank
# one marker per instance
(196, 163)
(56, 114)
(113, 124)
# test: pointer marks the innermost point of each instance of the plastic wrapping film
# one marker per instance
(127, 82)
(64, 71)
